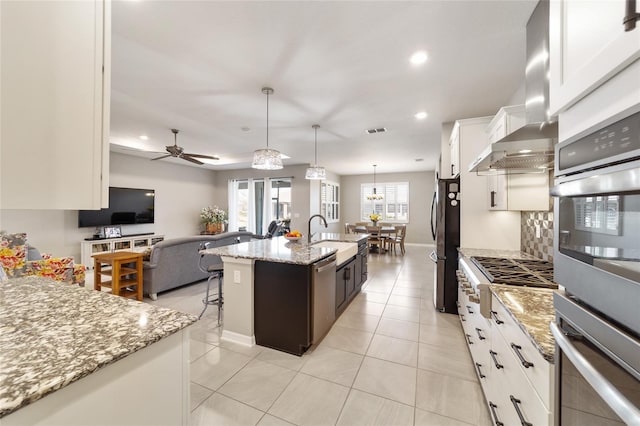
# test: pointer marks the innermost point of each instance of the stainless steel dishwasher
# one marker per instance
(323, 302)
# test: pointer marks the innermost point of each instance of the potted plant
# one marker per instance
(213, 219)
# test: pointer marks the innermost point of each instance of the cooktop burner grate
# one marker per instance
(524, 272)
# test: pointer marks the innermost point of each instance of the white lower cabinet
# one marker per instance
(133, 243)
(516, 380)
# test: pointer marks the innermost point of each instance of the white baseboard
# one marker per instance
(241, 339)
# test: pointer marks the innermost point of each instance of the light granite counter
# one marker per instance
(532, 309)
(52, 335)
(345, 238)
(279, 249)
(507, 254)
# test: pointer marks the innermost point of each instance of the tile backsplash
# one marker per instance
(540, 247)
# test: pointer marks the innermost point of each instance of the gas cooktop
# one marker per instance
(524, 272)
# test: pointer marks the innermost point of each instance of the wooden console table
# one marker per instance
(119, 284)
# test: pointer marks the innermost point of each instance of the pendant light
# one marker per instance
(316, 172)
(374, 196)
(267, 159)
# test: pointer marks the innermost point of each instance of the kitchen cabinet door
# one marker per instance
(506, 120)
(454, 147)
(518, 192)
(588, 46)
(55, 104)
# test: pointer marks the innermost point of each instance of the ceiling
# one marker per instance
(200, 66)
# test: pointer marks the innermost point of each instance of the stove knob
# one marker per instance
(474, 299)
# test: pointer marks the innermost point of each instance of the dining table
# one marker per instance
(384, 231)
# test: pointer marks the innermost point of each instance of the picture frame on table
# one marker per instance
(112, 231)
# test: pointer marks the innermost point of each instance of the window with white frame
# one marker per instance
(598, 214)
(254, 203)
(330, 201)
(393, 207)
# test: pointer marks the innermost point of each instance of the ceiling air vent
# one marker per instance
(378, 130)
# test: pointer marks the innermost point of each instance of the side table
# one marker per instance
(121, 275)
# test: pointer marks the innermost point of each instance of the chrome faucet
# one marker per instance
(309, 225)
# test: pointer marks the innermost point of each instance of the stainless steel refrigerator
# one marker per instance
(445, 228)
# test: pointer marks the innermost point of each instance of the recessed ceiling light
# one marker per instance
(144, 137)
(419, 58)
(421, 115)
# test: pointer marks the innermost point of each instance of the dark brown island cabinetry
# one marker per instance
(349, 278)
(294, 305)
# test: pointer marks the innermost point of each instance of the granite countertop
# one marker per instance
(507, 254)
(279, 249)
(532, 309)
(345, 238)
(53, 334)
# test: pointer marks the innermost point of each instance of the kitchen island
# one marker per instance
(72, 356)
(270, 282)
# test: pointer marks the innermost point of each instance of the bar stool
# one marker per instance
(215, 270)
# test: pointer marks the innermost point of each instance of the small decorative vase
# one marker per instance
(375, 222)
(212, 227)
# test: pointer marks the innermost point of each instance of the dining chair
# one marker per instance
(398, 239)
(375, 238)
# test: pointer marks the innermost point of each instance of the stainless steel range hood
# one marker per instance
(529, 148)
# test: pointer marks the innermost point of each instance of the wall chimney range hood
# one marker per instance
(529, 149)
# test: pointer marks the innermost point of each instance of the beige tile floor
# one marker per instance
(390, 359)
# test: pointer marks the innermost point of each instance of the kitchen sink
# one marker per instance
(345, 250)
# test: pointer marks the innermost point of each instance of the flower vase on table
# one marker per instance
(375, 223)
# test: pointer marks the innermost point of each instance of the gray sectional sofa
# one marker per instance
(174, 262)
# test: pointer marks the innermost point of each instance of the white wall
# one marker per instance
(421, 187)
(181, 191)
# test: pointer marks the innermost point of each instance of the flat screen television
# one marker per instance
(127, 206)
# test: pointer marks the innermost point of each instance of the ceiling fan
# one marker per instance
(178, 152)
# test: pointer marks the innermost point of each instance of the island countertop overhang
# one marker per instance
(278, 249)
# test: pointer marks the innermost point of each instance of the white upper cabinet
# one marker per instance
(506, 120)
(519, 192)
(454, 147)
(54, 151)
(588, 46)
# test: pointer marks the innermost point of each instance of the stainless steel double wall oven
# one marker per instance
(597, 261)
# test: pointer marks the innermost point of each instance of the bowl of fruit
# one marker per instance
(293, 235)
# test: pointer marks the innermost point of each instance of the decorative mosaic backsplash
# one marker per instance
(542, 247)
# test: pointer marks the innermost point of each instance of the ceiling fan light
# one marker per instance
(267, 159)
(316, 173)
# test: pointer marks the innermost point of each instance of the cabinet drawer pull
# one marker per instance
(495, 360)
(469, 309)
(482, 376)
(493, 407)
(493, 198)
(469, 339)
(462, 317)
(517, 349)
(516, 404)
(480, 336)
(498, 321)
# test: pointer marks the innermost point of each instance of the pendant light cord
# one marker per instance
(267, 120)
(316, 144)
